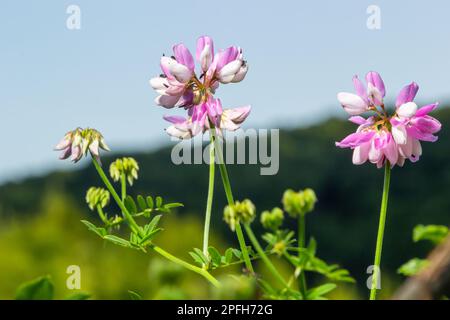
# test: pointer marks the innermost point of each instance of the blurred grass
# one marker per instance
(53, 239)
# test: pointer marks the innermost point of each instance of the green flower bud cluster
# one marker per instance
(272, 220)
(299, 203)
(127, 166)
(97, 197)
(244, 211)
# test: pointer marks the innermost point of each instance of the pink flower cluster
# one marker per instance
(179, 86)
(382, 137)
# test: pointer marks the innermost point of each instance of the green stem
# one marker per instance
(302, 286)
(123, 183)
(230, 199)
(102, 214)
(133, 225)
(187, 265)
(136, 229)
(263, 255)
(210, 196)
(382, 222)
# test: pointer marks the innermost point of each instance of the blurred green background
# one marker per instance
(40, 232)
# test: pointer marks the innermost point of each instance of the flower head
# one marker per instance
(179, 86)
(244, 212)
(382, 137)
(272, 220)
(77, 143)
(299, 203)
(97, 197)
(125, 166)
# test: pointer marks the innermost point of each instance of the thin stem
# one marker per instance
(123, 183)
(243, 246)
(136, 229)
(383, 210)
(263, 255)
(230, 199)
(133, 225)
(102, 214)
(210, 196)
(302, 286)
(187, 265)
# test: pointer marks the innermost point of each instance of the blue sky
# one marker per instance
(301, 53)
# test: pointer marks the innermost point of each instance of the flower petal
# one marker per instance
(184, 56)
(375, 80)
(399, 134)
(407, 110)
(426, 109)
(352, 103)
(407, 94)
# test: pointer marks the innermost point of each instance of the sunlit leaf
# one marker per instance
(434, 233)
(130, 205)
(318, 292)
(412, 267)
(141, 202)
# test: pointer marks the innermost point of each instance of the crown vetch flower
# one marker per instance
(383, 137)
(179, 86)
(77, 143)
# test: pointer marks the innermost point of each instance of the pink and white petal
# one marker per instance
(174, 119)
(416, 151)
(361, 154)
(355, 139)
(405, 150)
(352, 103)
(240, 75)
(426, 109)
(360, 88)
(229, 71)
(391, 151)
(226, 56)
(202, 42)
(166, 101)
(165, 62)
(357, 120)
(407, 94)
(67, 152)
(416, 133)
(375, 80)
(63, 144)
(427, 124)
(184, 56)
(401, 161)
(374, 95)
(180, 72)
(375, 155)
(407, 110)
(399, 134)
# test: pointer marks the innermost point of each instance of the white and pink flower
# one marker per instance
(179, 86)
(382, 137)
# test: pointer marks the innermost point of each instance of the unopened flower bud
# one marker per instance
(272, 220)
(310, 199)
(244, 212)
(97, 197)
(299, 203)
(124, 166)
